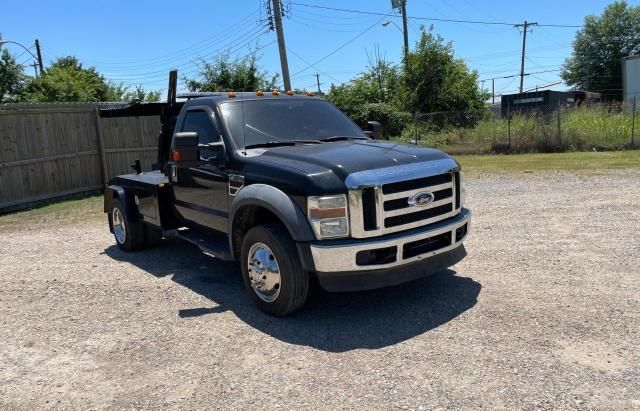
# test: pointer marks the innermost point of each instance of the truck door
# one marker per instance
(201, 191)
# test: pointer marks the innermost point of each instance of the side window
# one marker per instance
(199, 121)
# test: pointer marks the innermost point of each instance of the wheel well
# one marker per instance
(244, 219)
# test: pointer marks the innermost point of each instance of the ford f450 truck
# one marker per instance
(293, 189)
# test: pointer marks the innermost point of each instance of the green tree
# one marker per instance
(372, 95)
(12, 78)
(67, 81)
(120, 92)
(598, 49)
(433, 79)
(224, 74)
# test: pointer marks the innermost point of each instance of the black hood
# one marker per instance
(347, 157)
(323, 168)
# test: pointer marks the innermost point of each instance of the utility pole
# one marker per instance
(493, 91)
(277, 14)
(39, 56)
(318, 81)
(525, 27)
(405, 32)
(35, 68)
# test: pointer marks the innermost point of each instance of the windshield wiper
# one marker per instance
(341, 138)
(281, 143)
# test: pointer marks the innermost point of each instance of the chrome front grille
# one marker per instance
(382, 207)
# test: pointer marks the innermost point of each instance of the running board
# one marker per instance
(216, 245)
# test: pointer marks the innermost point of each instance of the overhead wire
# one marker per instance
(499, 23)
(340, 47)
(241, 41)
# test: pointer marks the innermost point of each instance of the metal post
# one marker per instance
(318, 81)
(405, 32)
(39, 57)
(559, 126)
(525, 27)
(277, 13)
(633, 122)
(509, 124)
(493, 91)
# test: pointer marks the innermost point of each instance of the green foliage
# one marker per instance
(599, 47)
(434, 80)
(67, 81)
(224, 74)
(581, 129)
(372, 96)
(431, 79)
(119, 92)
(12, 78)
(391, 119)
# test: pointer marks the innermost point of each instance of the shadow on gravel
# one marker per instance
(330, 322)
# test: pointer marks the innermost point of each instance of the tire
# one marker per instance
(264, 245)
(133, 236)
(152, 236)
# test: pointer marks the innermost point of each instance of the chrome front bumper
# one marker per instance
(340, 256)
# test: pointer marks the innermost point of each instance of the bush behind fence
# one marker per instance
(584, 128)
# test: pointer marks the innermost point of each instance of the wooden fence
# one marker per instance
(49, 153)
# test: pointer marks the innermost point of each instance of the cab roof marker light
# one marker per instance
(289, 92)
(231, 94)
(275, 92)
(310, 94)
(259, 93)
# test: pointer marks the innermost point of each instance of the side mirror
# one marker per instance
(185, 140)
(184, 151)
(374, 130)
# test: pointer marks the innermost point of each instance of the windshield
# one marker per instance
(285, 120)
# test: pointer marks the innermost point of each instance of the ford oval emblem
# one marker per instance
(421, 199)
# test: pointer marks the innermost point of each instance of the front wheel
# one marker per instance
(271, 271)
(129, 234)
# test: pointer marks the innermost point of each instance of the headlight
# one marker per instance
(328, 216)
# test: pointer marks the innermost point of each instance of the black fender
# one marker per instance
(116, 192)
(278, 203)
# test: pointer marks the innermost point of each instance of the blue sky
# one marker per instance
(137, 42)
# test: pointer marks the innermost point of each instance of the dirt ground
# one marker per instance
(543, 313)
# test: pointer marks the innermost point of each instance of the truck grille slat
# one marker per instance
(416, 183)
(417, 216)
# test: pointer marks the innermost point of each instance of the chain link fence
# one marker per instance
(599, 127)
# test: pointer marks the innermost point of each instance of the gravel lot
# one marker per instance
(544, 313)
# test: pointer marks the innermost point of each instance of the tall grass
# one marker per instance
(598, 128)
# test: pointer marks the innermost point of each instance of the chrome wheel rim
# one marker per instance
(119, 229)
(264, 272)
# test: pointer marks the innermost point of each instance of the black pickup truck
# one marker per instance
(292, 188)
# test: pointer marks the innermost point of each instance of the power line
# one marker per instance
(240, 41)
(312, 65)
(185, 52)
(342, 46)
(493, 23)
